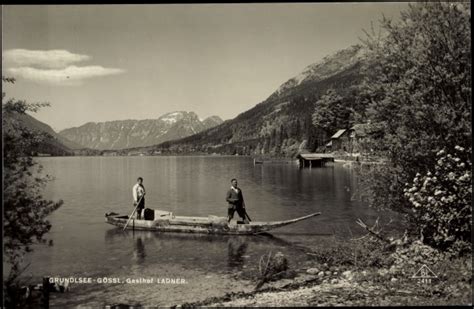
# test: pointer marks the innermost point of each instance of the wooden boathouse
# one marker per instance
(314, 159)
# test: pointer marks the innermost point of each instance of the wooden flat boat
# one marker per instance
(165, 221)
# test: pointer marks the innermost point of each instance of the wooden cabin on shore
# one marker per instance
(341, 140)
(352, 139)
(314, 159)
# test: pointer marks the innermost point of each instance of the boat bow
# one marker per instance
(266, 226)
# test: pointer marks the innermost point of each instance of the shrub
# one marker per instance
(408, 259)
(441, 199)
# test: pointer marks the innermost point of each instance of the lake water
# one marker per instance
(85, 246)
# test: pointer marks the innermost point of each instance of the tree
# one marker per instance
(24, 208)
(330, 112)
(418, 89)
(338, 110)
(297, 134)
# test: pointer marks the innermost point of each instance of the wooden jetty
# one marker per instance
(314, 159)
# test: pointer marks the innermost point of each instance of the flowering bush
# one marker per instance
(441, 199)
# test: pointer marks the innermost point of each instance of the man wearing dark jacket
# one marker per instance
(236, 202)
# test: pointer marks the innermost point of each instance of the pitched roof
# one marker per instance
(338, 133)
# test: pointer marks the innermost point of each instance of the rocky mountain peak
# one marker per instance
(326, 67)
(119, 134)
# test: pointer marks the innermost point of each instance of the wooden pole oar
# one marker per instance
(247, 215)
(130, 218)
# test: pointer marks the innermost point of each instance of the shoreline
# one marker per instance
(377, 275)
(337, 292)
(258, 159)
(347, 286)
(264, 161)
(328, 277)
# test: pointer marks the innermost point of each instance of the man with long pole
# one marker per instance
(138, 192)
(236, 202)
(131, 215)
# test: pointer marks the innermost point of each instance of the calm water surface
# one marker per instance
(85, 246)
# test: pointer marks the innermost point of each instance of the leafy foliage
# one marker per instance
(441, 199)
(331, 112)
(24, 208)
(340, 109)
(419, 83)
(418, 90)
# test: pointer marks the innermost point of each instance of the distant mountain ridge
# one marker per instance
(327, 67)
(119, 134)
(33, 122)
(281, 125)
(52, 143)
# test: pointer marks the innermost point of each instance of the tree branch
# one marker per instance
(372, 231)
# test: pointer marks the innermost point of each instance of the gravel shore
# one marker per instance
(351, 288)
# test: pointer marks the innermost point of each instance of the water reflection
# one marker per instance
(236, 249)
(139, 251)
(223, 253)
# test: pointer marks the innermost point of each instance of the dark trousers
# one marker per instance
(140, 207)
(231, 210)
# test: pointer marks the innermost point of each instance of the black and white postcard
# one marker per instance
(237, 155)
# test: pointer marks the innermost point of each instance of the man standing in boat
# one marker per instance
(139, 197)
(236, 202)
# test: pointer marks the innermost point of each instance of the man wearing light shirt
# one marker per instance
(236, 202)
(139, 197)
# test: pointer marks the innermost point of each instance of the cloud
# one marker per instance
(71, 75)
(55, 66)
(47, 59)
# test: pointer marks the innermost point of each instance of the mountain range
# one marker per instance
(281, 125)
(51, 143)
(119, 134)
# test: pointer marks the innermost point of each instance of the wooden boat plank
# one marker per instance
(208, 225)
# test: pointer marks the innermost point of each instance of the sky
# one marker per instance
(113, 62)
